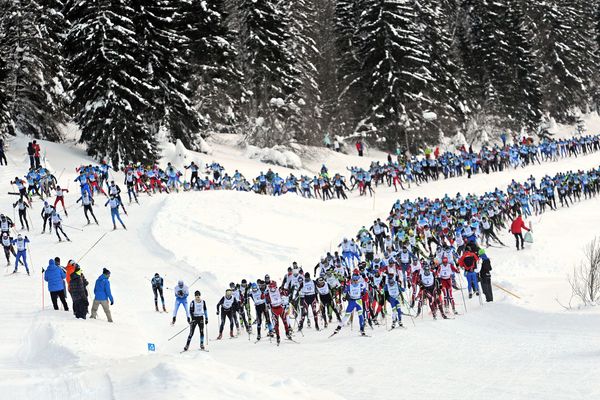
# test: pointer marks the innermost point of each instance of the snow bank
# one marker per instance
(277, 155)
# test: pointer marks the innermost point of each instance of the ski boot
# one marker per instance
(173, 323)
(258, 337)
(476, 293)
(231, 335)
(278, 340)
(189, 320)
(202, 346)
(454, 310)
(220, 336)
(157, 310)
(186, 348)
(164, 308)
(400, 324)
(444, 316)
(362, 332)
(288, 335)
(470, 295)
(393, 325)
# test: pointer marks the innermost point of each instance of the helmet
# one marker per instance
(445, 260)
(307, 275)
(272, 285)
(356, 271)
(355, 278)
(244, 282)
(231, 285)
(180, 283)
(254, 286)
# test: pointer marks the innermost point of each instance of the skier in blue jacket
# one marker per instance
(102, 295)
(55, 276)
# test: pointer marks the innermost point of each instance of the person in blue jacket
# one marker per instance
(21, 244)
(354, 294)
(102, 295)
(55, 276)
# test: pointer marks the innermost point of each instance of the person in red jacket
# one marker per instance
(516, 228)
(468, 261)
(36, 154)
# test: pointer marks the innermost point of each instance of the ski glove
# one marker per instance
(112, 303)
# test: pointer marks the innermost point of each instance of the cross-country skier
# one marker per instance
(57, 223)
(60, 198)
(444, 272)
(468, 261)
(8, 247)
(392, 294)
(87, 202)
(46, 214)
(260, 306)
(21, 244)
(430, 292)
(114, 212)
(199, 314)
(181, 295)
(226, 308)
(308, 295)
(354, 293)
(5, 224)
(22, 207)
(157, 288)
(274, 297)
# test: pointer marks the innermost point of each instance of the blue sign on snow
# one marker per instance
(151, 347)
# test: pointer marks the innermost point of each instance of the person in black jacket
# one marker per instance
(485, 277)
(199, 315)
(79, 294)
(31, 154)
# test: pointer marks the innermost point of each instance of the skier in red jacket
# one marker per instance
(516, 228)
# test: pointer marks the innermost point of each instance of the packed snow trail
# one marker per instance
(547, 354)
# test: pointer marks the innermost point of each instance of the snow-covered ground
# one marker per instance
(509, 349)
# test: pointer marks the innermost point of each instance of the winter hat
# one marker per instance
(105, 271)
(481, 252)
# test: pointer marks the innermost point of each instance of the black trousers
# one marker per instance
(59, 294)
(80, 308)
(519, 236)
(199, 322)
(486, 287)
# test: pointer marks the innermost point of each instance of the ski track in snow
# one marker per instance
(508, 349)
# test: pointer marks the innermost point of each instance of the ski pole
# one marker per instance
(505, 290)
(178, 333)
(42, 278)
(72, 227)
(462, 293)
(94, 245)
(197, 279)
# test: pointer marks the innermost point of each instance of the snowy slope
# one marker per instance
(508, 349)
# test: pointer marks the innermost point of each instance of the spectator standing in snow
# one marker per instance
(78, 291)
(516, 228)
(336, 145)
(102, 295)
(359, 147)
(31, 154)
(485, 276)
(2, 154)
(55, 276)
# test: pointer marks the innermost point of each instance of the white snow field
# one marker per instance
(528, 348)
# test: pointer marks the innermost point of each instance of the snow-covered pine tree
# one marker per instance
(394, 72)
(437, 21)
(270, 72)
(567, 55)
(111, 93)
(160, 51)
(302, 16)
(31, 41)
(5, 120)
(351, 102)
(326, 65)
(211, 54)
(497, 54)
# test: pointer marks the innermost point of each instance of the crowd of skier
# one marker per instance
(411, 260)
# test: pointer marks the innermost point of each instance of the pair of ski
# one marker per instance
(336, 332)
(185, 351)
(288, 339)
